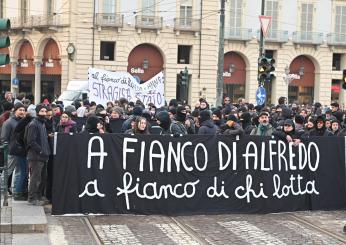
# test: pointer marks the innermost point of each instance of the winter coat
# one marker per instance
(236, 129)
(17, 145)
(67, 127)
(263, 130)
(177, 128)
(37, 141)
(208, 127)
(8, 128)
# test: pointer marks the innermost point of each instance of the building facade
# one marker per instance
(55, 41)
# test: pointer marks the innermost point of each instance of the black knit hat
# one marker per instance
(217, 113)
(204, 115)
(299, 119)
(17, 106)
(138, 111)
(39, 107)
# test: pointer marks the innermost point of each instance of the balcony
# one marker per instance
(109, 20)
(37, 22)
(315, 38)
(336, 39)
(187, 24)
(149, 22)
(276, 36)
(241, 34)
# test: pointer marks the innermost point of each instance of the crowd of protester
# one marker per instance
(29, 129)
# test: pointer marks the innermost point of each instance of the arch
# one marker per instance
(51, 58)
(43, 42)
(26, 58)
(14, 52)
(302, 90)
(145, 53)
(308, 79)
(234, 62)
(159, 46)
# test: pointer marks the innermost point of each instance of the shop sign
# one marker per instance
(137, 70)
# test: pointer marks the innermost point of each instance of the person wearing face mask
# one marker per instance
(264, 128)
(207, 125)
(94, 125)
(177, 126)
(38, 154)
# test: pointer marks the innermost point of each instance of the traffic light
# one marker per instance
(266, 69)
(184, 76)
(344, 79)
(5, 26)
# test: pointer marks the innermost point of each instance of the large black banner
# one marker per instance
(115, 173)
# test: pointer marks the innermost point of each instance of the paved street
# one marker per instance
(287, 228)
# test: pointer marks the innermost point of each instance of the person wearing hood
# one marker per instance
(288, 133)
(7, 106)
(217, 118)
(246, 123)
(94, 125)
(164, 121)
(320, 128)
(178, 125)
(264, 128)
(38, 155)
(66, 124)
(207, 125)
(231, 127)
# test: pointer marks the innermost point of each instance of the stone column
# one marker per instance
(14, 62)
(37, 63)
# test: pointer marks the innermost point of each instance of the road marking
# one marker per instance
(117, 234)
(250, 233)
(56, 235)
(176, 234)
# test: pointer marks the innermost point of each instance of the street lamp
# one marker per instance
(145, 64)
(231, 68)
(301, 70)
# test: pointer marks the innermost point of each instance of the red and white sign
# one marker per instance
(265, 23)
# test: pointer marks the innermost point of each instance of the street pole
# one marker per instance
(220, 63)
(261, 48)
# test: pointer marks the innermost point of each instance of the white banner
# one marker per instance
(107, 86)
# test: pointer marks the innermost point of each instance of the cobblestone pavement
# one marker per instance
(284, 228)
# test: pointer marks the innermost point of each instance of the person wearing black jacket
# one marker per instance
(17, 149)
(38, 154)
(288, 133)
(207, 125)
(320, 128)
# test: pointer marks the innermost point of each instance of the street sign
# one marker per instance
(15, 82)
(265, 23)
(261, 95)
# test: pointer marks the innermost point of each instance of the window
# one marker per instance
(306, 21)
(107, 50)
(148, 7)
(336, 62)
(184, 54)
(340, 23)
(186, 13)
(235, 17)
(272, 10)
(109, 6)
(269, 53)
